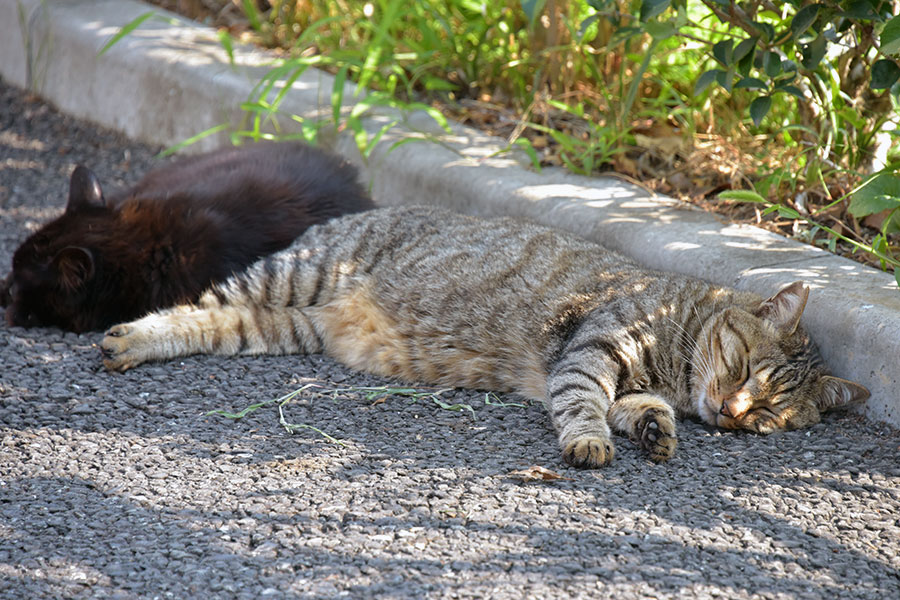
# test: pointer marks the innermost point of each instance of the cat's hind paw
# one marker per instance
(655, 432)
(120, 348)
(589, 453)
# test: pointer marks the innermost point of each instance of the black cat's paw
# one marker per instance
(655, 432)
(589, 453)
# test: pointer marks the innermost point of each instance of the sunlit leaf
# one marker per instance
(536, 473)
(804, 19)
(742, 196)
(890, 36)
(882, 192)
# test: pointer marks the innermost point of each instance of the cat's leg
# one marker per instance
(225, 330)
(578, 402)
(648, 420)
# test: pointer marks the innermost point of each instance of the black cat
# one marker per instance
(182, 227)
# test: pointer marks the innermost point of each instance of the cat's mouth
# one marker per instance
(737, 411)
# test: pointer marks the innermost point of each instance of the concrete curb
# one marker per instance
(168, 81)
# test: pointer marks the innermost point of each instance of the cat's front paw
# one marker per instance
(655, 432)
(589, 453)
(121, 348)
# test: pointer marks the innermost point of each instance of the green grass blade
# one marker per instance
(192, 140)
(125, 30)
(376, 46)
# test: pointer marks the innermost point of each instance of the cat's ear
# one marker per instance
(75, 266)
(785, 307)
(840, 392)
(84, 190)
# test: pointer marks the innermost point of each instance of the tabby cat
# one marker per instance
(184, 226)
(426, 295)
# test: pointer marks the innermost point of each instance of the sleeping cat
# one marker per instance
(426, 295)
(182, 227)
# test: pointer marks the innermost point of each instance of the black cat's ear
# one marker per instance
(84, 190)
(784, 308)
(75, 266)
(840, 392)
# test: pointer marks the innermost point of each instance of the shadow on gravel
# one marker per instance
(744, 513)
(107, 543)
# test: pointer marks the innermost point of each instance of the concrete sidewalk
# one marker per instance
(170, 80)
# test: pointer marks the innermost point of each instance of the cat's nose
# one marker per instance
(735, 407)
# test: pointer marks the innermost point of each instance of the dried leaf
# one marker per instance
(536, 473)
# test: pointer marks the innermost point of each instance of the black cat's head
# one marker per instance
(52, 271)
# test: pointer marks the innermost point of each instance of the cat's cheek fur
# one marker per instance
(701, 404)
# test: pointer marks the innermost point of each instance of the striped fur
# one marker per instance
(425, 295)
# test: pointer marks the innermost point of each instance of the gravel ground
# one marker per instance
(118, 485)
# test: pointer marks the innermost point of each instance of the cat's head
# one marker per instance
(758, 370)
(52, 270)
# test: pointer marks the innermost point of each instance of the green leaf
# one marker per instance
(744, 54)
(744, 48)
(337, 93)
(742, 196)
(793, 90)
(725, 78)
(750, 83)
(859, 9)
(759, 108)
(766, 30)
(378, 44)
(252, 14)
(814, 52)
(890, 36)
(126, 29)
(532, 8)
(787, 212)
(660, 30)
(724, 52)
(439, 84)
(705, 79)
(772, 64)
(804, 19)
(582, 29)
(882, 192)
(885, 73)
(652, 8)
(528, 148)
(227, 45)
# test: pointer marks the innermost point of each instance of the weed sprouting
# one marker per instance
(373, 394)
